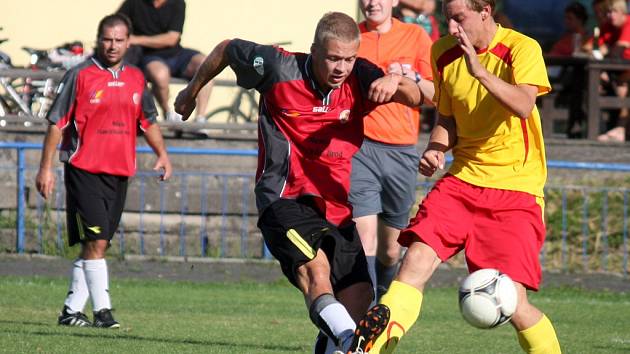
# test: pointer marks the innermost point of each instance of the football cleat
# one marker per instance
(370, 327)
(104, 319)
(78, 319)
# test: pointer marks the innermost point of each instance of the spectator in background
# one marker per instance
(421, 13)
(619, 48)
(157, 31)
(573, 40)
(385, 170)
(101, 105)
(572, 77)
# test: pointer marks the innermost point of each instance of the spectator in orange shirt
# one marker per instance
(385, 170)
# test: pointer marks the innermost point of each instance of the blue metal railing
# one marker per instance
(574, 219)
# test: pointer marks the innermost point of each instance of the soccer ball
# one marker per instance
(487, 298)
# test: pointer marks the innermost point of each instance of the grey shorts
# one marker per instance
(384, 179)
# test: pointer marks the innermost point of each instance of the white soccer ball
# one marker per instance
(487, 298)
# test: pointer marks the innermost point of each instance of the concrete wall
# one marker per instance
(46, 24)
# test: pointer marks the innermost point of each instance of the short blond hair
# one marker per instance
(619, 5)
(336, 25)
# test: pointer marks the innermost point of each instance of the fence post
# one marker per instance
(21, 191)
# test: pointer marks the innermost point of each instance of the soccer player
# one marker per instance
(98, 110)
(385, 170)
(491, 200)
(310, 125)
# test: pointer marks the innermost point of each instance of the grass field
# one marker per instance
(179, 317)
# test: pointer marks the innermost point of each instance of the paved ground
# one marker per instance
(231, 270)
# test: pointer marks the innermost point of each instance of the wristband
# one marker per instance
(418, 78)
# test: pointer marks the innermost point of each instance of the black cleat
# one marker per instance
(78, 319)
(370, 327)
(104, 319)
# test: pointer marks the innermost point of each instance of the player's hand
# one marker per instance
(431, 161)
(382, 89)
(45, 182)
(185, 103)
(470, 54)
(163, 164)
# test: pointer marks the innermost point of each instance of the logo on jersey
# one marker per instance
(115, 84)
(136, 98)
(288, 113)
(259, 63)
(344, 116)
(320, 109)
(95, 96)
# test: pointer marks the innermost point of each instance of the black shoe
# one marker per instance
(104, 319)
(78, 319)
(370, 327)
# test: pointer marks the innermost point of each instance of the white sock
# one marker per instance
(78, 293)
(98, 283)
(340, 323)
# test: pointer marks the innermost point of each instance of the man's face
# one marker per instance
(333, 62)
(112, 44)
(459, 14)
(571, 22)
(377, 12)
(600, 11)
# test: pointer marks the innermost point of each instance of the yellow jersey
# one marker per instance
(494, 148)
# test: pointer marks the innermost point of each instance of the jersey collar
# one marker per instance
(326, 96)
(101, 66)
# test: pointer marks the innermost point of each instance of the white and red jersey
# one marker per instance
(306, 136)
(100, 111)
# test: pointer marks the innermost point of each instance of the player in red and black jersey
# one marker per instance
(100, 105)
(310, 125)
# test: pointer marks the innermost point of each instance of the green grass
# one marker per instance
(167, 317)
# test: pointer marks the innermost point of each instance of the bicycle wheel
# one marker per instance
(227, 115)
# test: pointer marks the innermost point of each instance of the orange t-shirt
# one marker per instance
(408, 44)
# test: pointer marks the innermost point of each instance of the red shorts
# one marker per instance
(498, 229)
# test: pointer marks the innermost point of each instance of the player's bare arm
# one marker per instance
(394, 87)
(45, 180)
(519, 99)
(153, 136)
(214, 63)
(427, 89)
(443, 138)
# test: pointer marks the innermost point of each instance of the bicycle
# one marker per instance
(242, 109)
(32, 95)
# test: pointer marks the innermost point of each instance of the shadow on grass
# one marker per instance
(117, 335)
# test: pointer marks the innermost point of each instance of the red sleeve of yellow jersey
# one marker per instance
(442, 98)
(529, 67)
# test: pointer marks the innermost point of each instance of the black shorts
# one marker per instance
(177, 63)
(94, 204)
(294, 231)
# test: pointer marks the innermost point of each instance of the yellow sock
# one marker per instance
(539, 338)
(404, 303)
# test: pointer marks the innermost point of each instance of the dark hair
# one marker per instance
(113, 20)
(578, 10)
(336, 25)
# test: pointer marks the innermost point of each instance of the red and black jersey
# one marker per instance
(307, 137)
(99, 111)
